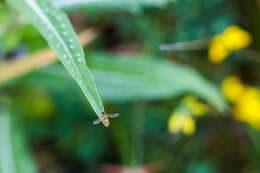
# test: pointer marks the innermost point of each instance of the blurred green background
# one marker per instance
(176, 113)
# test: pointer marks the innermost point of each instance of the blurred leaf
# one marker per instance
(254, 136)
(56, 29)
(9, 35)
(130, 79)
(15, 157)
(132, 6)
(201, 167)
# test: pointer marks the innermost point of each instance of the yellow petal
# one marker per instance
(235, 38)
(247, 108)
(175, 123)
(188, 126)
(233, 88)
(195, 106)
(217, 50)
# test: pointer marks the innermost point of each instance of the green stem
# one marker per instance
(137, 131)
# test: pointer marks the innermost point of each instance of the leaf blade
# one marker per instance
(133, 6)
(57, 30)
(15, 155)
(154, 78)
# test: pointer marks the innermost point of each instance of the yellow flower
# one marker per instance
(232, 39)
(217, 50)
(196, 108)
(246, 100)
(181, 123)
(247, 109)
(232, 88)
(235, 38)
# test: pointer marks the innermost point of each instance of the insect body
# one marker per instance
(106, 118)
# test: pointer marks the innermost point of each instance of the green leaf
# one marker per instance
(131, 78)
(15, 156)
(139, 77)
(57, 30)
(129, 5)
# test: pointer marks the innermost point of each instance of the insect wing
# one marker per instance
(113, 115)
(97, 121)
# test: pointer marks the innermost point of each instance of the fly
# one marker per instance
(106, 118)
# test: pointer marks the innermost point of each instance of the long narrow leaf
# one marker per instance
(129, 5)
(7, 154)
(56, 29)
(150, 78)
(15, 156)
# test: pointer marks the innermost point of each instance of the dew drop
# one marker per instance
(80, 59)
(71, 46)
(78, 54)
(71, 40)
(63, 26)
(65, 56)
(59, 17)
(64, 33)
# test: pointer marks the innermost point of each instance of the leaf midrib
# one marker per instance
(39, 12)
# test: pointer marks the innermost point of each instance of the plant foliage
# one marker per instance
(57, 30)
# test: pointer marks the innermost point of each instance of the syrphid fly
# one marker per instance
(106, 118)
